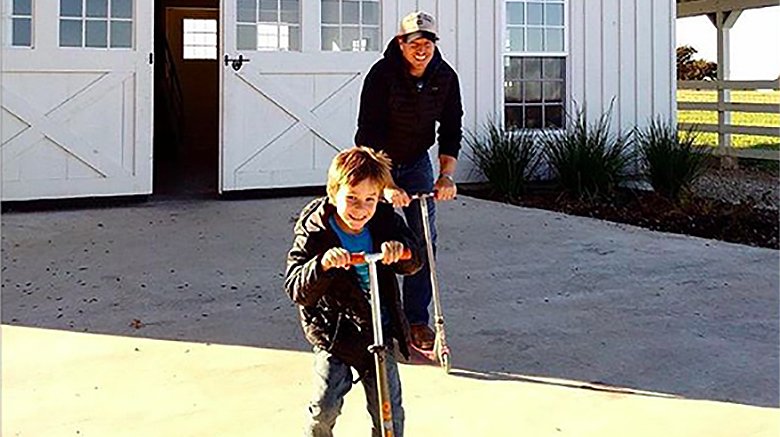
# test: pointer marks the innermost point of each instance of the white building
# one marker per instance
(92, 105)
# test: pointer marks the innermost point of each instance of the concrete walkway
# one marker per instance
(169, 319)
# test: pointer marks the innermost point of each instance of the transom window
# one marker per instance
(268, 25)
(21, 23)
(350, 25)
(200, 38)
(535, 64)
(96, 23)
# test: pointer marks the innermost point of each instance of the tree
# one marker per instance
(694, 69)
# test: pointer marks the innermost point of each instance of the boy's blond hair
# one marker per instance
(354, 165)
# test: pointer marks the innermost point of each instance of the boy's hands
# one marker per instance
(335, 257)
(391, 252)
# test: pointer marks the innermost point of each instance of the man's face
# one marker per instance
(356, 204)
(418, 54)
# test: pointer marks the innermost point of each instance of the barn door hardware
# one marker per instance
(236, 63)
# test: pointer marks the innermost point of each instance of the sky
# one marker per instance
(755, 42)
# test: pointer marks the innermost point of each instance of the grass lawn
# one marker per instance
(737, 118)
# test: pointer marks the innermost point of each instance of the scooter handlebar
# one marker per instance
(362, 258)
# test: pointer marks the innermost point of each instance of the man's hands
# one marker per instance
(338, 257)
(445, 188)
(398, 197)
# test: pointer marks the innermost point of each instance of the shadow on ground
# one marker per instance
(526, 292)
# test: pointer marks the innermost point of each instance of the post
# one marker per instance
(724, 21)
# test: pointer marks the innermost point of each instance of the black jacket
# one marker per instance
(333, 309)
(398, 112)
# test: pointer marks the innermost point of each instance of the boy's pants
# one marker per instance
(332, 381)
(415, 178)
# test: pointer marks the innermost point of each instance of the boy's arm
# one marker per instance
(305, 281)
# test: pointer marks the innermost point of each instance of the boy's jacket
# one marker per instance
(334, 311)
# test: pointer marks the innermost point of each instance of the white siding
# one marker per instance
(622, 50)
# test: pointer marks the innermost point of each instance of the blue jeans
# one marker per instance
(333, 380)
(414, 178)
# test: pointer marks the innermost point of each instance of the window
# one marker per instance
(268, 25)
(350, 25)
(200, 38)
(21, 23)
(96, 23)
(535, 64)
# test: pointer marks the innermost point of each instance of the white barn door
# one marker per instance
(293, 105)
(76, 98)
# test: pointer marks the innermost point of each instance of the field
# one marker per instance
(737, 118)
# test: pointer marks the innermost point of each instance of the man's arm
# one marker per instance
(450, 135)
(373, 107)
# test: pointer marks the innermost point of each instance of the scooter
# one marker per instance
(440, 351)
(378, 349)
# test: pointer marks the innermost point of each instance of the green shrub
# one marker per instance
(506, 158)
(587, 161)
(670, 159)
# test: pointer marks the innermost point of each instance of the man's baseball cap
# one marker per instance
(416, 25)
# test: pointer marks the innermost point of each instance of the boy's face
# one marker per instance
(356, 204)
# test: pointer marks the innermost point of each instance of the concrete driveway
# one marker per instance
(169, 318)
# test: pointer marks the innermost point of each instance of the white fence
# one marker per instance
(725, 108)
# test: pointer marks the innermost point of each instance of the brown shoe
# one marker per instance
(422, 337)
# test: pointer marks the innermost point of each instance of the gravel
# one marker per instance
(741, 185)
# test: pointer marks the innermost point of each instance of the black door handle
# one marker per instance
(236, 63)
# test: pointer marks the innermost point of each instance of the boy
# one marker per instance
(332, 295)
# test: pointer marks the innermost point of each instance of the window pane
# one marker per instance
(533, 117)
(70, 8)
(514, 39)
(246, 37)
(533, 92)
(553, 14)
(330, 39)
(513, 91)
(21, 32)
(97, 33)
(70, 33)
(350, 37)
(535, 13)
(268, 11)
(22, 7)
(513, 68)
(294, 43)
(515, 13)
(554, 40)
(513, 117)
(371, 35)
(553, 116)
(350, 12)
(553, 91)
(370, 13)
(267, 37)
(534, 43)
(246, 11)
(121, 34)
(532, 68)
(553, 68)
(330, 12)
(289, 11)
(97, 8)
(121, 9)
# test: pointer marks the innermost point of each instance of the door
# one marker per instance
(288, 101)
(76, 98)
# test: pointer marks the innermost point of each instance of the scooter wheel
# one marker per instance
(445, 362)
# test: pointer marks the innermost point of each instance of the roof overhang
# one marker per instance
(690, 8)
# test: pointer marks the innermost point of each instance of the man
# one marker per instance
(404, 95)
